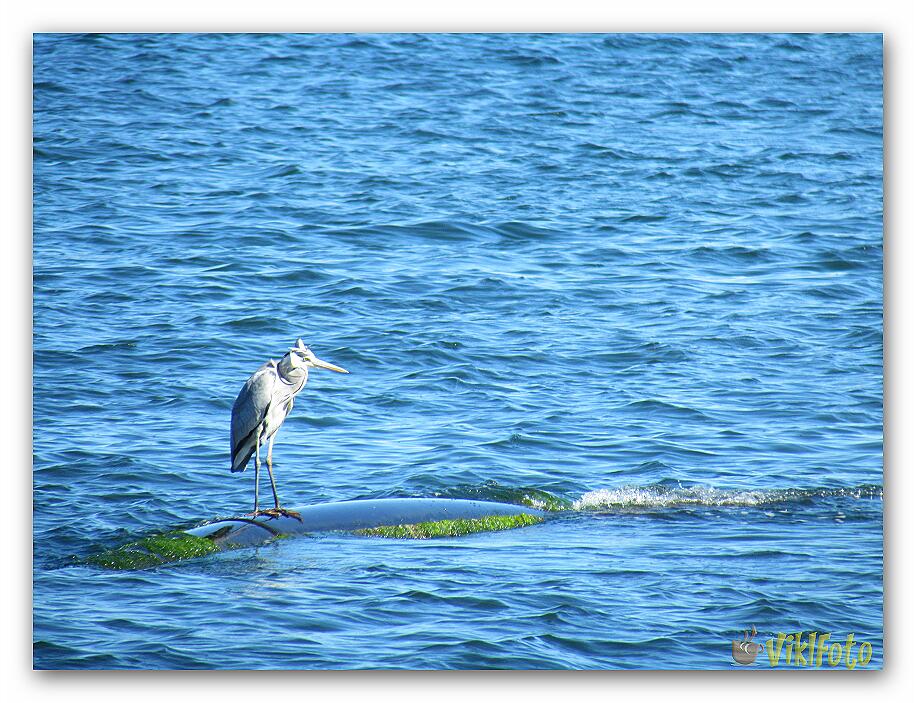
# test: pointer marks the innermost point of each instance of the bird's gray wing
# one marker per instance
(250, 408)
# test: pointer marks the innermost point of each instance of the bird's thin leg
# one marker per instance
(257, 467)
(270, 451)
(277, 508)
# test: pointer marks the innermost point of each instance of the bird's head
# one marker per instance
(300, 356)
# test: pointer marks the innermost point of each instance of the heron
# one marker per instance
(260, 409)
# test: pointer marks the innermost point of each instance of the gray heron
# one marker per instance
(261, 407)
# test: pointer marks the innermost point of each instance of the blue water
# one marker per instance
(643, 273)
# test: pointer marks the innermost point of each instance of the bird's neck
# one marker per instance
(294, 376)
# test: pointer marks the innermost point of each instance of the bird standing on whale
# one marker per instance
(261, 407)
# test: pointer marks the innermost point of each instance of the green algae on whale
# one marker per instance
(154, 551)
(451, 528)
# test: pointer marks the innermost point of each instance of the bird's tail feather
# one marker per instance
(240, 461)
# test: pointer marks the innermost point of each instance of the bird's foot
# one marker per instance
(258, 513)
(286, 513)
(275, 513)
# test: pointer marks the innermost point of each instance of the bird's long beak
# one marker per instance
(329, 366)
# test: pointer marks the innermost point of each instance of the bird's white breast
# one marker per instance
(282, 403)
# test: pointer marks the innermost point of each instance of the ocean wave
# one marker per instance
(657, 496)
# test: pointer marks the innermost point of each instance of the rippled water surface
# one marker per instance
(643, 273)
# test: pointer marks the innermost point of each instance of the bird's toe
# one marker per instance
(265, 513)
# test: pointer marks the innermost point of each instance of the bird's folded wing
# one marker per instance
(251, 406)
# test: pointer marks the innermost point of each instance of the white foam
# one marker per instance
(664, 497)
